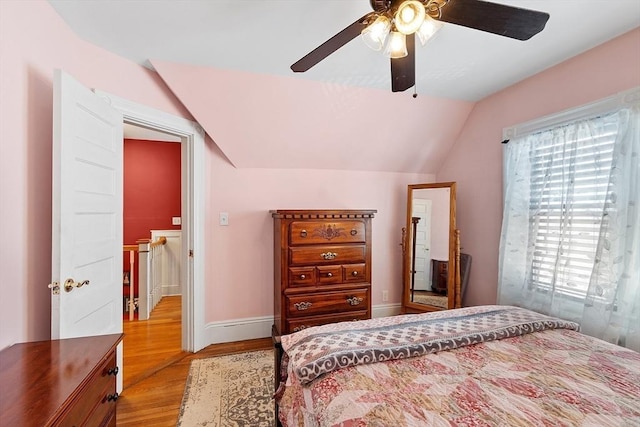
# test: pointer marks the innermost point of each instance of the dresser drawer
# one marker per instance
(302, 276)
(327, 302)
(327, 255)
(92, 399)
(296, 325)
(329, 274)
(105, 409)
(314, 232)
(354, 273)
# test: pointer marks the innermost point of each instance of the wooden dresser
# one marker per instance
(439, 276)
(70, 382)
(322, 267)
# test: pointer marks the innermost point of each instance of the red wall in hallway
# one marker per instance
(151, 187)
(151, 190)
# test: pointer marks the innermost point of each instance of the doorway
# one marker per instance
(191, 137)
(151, 210)
(152, 198)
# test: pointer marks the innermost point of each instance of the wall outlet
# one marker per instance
(385, 296)
(224, 218)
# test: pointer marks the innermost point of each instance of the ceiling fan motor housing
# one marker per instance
(432, 7)
(380, 5)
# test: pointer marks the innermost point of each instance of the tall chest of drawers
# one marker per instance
(322, 267)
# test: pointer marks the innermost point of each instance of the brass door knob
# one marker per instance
(69, 284)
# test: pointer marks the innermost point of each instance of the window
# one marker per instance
(570, 239)
(570, 168)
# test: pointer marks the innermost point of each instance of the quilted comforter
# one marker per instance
(502, 366)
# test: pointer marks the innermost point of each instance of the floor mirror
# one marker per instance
(431, 249)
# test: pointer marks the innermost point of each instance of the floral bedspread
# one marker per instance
(551, 377)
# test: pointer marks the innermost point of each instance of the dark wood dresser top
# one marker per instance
(38, 379)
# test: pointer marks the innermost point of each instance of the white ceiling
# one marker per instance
(267, 36)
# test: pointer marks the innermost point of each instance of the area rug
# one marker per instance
(229, 391)
(435, 300)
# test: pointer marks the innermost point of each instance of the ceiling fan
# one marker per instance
(394, 24)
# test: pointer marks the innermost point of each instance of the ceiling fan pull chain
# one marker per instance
(415, 90)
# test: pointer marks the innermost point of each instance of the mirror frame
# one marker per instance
(452, 288)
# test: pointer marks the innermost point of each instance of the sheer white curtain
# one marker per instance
(570, 243)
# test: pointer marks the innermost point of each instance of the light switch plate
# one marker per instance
(176, 220)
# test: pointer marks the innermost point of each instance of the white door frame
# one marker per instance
(192, 140)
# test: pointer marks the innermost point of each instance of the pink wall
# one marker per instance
(33, 42)
(262, 121)
(240, 266)
(475, 161)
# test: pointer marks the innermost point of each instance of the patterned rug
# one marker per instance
(435, 300)
(234, 390)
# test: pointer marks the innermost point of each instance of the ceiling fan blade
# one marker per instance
(403, 70)
(508, 21)
(331, 45)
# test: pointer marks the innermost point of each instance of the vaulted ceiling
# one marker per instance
(228, 62)
(267, 36)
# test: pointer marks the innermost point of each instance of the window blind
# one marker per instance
(570, 169)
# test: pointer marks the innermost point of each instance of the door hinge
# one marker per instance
(55, 288)
(190, 253)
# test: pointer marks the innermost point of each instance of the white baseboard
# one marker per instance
(238, 330)
(169, 290)
(260, 327)
(384, 310)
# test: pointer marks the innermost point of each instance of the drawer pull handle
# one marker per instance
(354, 300)
(302, 277)
(303, 233)
(328, 255)
(354, 232)
(301, 306)
(112, 397)
(299, 328)
(355, 273)
(113, 371)
(329, 274)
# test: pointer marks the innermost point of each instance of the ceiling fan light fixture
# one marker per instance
(428, 29)
(409, 16)
(376, 33)
(396, 46)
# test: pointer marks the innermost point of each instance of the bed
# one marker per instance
(475, 366)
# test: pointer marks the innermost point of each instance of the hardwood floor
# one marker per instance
(156, 369)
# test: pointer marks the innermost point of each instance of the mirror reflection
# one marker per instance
(430, 247)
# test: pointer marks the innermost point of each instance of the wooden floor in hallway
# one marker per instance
(156, 369)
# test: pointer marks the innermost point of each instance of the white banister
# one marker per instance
(144, 271)
(149, 276)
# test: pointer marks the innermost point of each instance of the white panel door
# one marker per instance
(422, 278)
(87, 212)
